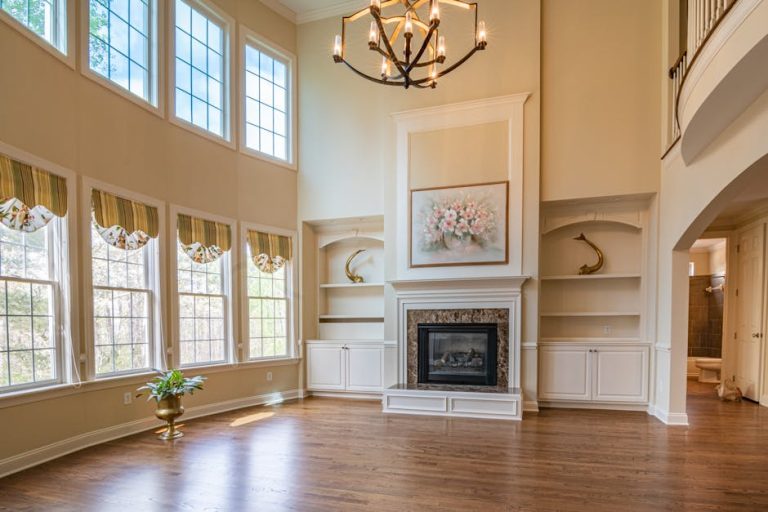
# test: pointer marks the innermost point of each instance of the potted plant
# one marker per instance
(167, 389)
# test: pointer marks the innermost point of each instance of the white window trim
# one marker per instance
(156, 102)
(66, 302)
(154, 269)
(228, 28)
(292, 287)
(64, 48)
(230, 289)
(248, 36)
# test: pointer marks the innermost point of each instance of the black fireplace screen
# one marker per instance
(458, 354)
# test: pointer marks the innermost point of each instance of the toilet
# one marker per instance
(709, 369)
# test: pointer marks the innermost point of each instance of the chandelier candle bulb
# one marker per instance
(337, 46)
(482, 35)
(373, 35)
(384, 67)
(408, 23)
(434, 12)
(441, 47)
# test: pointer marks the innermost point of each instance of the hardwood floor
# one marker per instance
(324, 454)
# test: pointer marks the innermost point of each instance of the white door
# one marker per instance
(749, 304)
(564, 373)
(621, 374)
(325, 367)
(365, 368)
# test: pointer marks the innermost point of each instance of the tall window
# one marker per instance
(43, 17)
(124, 262)
(267, 102)
(267, 313)
(120, 45)
(204, 290)
(28, 347)
(200, 68)
(32, 267)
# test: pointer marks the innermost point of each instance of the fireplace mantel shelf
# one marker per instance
(497, 283)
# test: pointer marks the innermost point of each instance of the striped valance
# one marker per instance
(110, 210)
(32, 186)
(204, 241)
(269, 251)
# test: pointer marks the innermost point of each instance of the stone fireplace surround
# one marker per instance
(463, 300)
(500, 317)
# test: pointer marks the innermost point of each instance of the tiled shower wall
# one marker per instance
(705, 317)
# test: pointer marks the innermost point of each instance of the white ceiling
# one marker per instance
(304, 11)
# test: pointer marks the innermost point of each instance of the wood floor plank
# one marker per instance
(335, 455)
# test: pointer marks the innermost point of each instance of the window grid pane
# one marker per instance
(119, 43)
(39, 16)
(267, 313)
(28, 348)
(202, 311)
(199, 69)
(266, 99)
(121, 305)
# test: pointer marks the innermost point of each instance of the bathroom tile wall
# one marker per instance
(705, 317)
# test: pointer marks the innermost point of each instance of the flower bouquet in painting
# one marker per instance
(459, 226)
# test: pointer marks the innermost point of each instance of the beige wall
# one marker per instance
(601, 99)
(54, 112)
(700, 260)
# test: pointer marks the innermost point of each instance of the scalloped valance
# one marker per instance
(269, 251)
(124, 223)
(204, 241)
(29, 197)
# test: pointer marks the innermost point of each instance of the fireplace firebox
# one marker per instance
(457, 354)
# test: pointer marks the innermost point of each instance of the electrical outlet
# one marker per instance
(607, 330)
(269, 376)
(127, 398)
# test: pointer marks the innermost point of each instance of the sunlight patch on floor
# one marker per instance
(251, 418)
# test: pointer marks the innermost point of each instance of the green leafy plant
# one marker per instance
(169, 384)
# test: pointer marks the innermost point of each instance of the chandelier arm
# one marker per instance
(392, 55)
(368, 77)
(384, 54)
(424, 45)
(448, 69)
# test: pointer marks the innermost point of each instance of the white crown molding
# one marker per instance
(280, 9)
(335, 9)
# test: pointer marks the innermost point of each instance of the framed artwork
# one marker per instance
(463, 225)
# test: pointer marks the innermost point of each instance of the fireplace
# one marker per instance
(458, 354)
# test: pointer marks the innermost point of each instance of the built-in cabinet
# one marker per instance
(593, 344)
(354, 367)
(347, 354)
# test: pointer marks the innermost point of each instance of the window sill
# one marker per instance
(54, 391)
(120, 91)
(196, 130)
(245, 150)
(67, 58)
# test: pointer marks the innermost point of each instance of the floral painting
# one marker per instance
(464, 225)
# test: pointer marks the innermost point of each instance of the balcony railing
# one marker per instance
(703, 18)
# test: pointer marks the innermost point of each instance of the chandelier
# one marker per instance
(424, 49)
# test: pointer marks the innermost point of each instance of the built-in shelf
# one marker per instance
(575, 277)
(591, 313)
(352, 285)
(351, 319)
(590, 340)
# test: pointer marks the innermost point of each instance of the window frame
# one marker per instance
(292, 288)
(227, 22)
(249, 37)
(65, 301)
(229, 286)
(156, 102)
(64, 48)
(154, 269)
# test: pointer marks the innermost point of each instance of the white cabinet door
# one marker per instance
(326, 367)
(620, 374)
(365, 368)
(564, 373)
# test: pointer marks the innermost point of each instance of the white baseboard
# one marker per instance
(58, 449)
(345, 394)
(530, 406)
(677, 419)
(554, 404)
